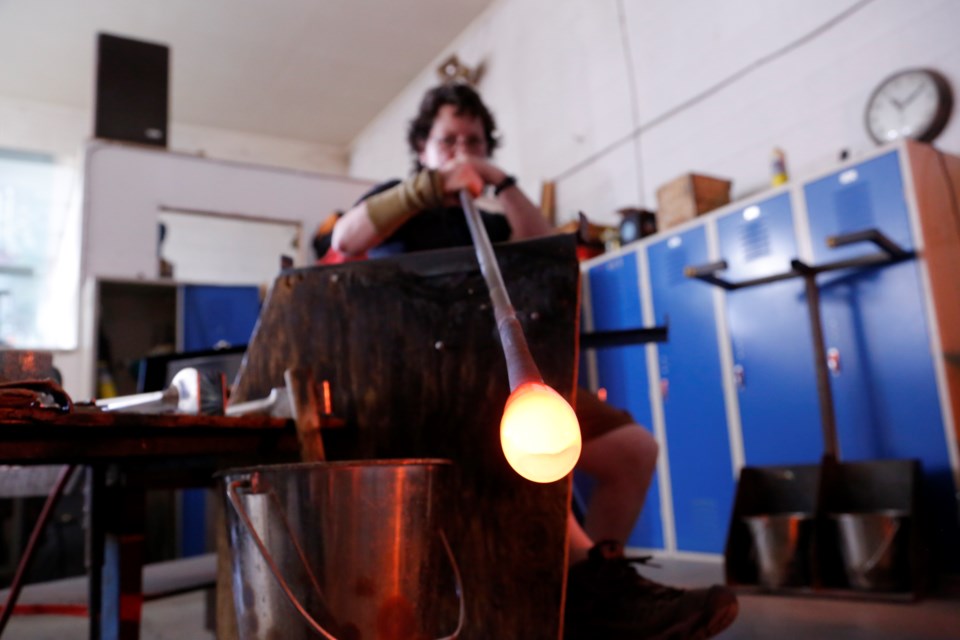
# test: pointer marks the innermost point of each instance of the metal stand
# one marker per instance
(811, 497)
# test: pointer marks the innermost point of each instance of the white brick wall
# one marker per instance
(559, 80)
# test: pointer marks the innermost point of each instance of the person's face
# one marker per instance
(450, 135)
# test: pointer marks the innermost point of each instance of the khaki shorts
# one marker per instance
(596, 416)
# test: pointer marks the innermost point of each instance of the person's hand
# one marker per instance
(459, 174)
(469, 172)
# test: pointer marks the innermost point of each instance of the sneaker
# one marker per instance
(608, 600)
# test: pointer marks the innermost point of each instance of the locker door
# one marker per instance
(697, 445)
(770, 337)
(622, 371)
(212, 314)
(887, 402)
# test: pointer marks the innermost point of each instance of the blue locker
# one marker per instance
(770, 337)
(885, 391)
(698, 446)
(622, 371)
(212, 314)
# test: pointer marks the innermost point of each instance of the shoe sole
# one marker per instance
(722, 618)
(721, 621)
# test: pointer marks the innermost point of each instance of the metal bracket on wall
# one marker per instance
(890, 253)
(624, 337)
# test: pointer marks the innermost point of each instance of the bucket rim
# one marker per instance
(302, 466)
(882, 513)
(780, 515)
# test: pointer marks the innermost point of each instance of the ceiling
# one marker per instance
(312, 70)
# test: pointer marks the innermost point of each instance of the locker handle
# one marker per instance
(739, 377)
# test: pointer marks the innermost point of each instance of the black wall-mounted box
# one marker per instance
(132, 94)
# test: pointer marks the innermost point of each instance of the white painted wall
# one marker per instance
(127, 187)
(126, 190)
(612, 98)
(64, 131)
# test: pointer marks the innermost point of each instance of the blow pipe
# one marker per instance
(539, 431)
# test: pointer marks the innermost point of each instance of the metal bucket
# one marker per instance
(781, 543)
(874, 549)
(343, 551)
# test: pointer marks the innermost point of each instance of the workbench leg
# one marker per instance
(95, 476)
(123, 563)
(116, 602)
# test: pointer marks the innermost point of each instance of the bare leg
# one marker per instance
(580, 542)
(622, 462)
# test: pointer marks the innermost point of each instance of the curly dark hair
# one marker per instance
(465, 100)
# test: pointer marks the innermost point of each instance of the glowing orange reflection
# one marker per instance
(539, 433)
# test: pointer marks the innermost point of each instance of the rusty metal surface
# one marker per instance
(86, 435)
(414, 322)
(25, 365)
(416, 370)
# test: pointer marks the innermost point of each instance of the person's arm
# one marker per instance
(383, 211)
(374, 219)
(354, 232)
(525, 218)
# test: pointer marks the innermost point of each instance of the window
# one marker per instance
(39, 251)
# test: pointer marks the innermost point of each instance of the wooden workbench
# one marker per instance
(123, 455)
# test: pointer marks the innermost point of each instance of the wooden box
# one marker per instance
(688, 196)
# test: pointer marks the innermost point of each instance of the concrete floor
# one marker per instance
(175, 618)
(761, 616)
(805, 618)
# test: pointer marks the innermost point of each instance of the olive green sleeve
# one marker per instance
(424, 190)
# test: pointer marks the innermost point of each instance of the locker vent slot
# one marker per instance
(755, 238)
(853, 208)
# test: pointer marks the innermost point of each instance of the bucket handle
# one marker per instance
(237, 504)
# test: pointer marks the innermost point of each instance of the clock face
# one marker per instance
(911, 104)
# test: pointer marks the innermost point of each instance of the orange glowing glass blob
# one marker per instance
(539, 433)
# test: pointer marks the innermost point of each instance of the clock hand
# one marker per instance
(913, 94)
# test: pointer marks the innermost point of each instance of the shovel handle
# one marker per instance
(237, 503)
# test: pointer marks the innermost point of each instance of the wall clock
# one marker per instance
(914, 103)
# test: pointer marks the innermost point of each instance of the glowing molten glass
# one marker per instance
(539, 433)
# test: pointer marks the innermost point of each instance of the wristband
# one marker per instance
(504, 184)
(386, 210)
